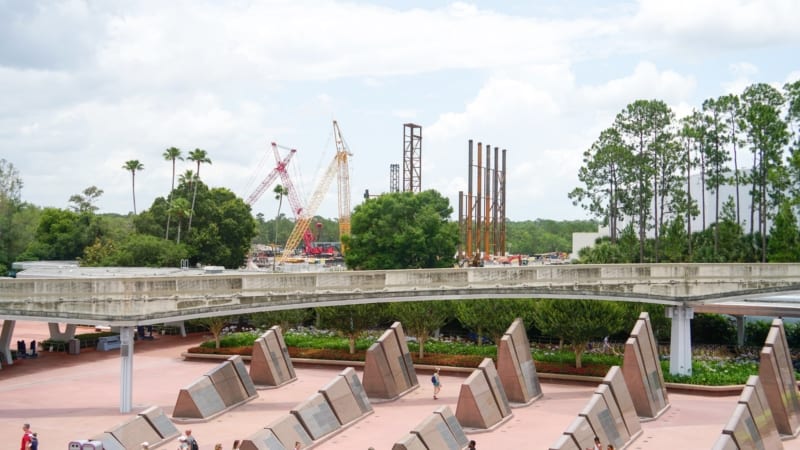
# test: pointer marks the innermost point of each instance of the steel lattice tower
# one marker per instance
(394, 177)
(412, 158)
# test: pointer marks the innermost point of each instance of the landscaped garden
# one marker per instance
(712, 366)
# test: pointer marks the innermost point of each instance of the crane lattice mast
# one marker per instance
(342, 153)
(338, 165)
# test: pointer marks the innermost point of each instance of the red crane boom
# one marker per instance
(279, 170)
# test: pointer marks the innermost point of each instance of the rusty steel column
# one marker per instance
(487, 201)
(495, 232)
(468, 221)
(478, 201)
(502, 198)
(461, 236)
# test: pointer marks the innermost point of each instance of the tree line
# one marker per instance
(192, 222)
(213, 226)
(635, 179)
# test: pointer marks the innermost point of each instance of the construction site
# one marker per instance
(481, 206)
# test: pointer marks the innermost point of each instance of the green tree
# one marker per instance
(603, 252)
(10, 202)
(421, 319)
(84, 202)
(716, 154)
(784, 239)
(492, 318)
(767, 134)
(224, 227)
(63, 235)
(691, 136)
(666, 160)
(351, 321)
(578, 321)
(285, 318)
(730, 106)
(171, 154)
(640, 125)
(603, 191)
(133, 166)
(280, 192)
(179, 207)
(198, 156)
(402, 231)
(215, 325)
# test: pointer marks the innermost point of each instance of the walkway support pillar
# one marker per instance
(5, 342)
(740, 331)
(126, 372)
(680, 346)
(57, 335)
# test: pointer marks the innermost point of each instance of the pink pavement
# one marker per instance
(70, 397)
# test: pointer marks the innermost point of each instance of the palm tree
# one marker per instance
(180, 207)
(199, 156)
(279, 191)
(171, 154)
(133, 166)
(186, 178)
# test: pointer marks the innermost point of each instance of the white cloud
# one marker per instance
(86, 86)
(715, 24)
(546, 123)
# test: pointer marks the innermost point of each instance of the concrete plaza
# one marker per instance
(70, 397)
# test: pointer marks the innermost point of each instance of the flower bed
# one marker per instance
(430, 359)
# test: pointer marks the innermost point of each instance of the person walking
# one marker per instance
(27, 437)
(183, 444)
(471, 445)
(437, 383)
(191, 440)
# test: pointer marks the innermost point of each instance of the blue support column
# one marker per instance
(126, 369)
(680, 346)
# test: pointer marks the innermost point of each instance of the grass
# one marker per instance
(709, 370)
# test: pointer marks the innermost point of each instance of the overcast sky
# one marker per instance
(88, 85)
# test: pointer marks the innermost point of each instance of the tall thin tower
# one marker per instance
(394, 177)
(412, 158)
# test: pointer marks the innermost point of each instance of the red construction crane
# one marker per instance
(338, 164)
(279, 170)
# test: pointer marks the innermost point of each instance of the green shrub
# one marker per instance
(714, 373)
(243, 339)
(755, 333)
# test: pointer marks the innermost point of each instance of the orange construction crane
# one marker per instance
(337, 166)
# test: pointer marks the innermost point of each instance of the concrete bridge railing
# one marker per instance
(134, 301)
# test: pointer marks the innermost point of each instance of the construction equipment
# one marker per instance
(316, 249)
(279, 170)
(338, 165)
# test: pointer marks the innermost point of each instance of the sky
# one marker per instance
(86, 86)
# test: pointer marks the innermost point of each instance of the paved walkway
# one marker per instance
(70, 397)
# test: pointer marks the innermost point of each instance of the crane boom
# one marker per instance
(338, 166)
(301, 225)
(279, 170)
